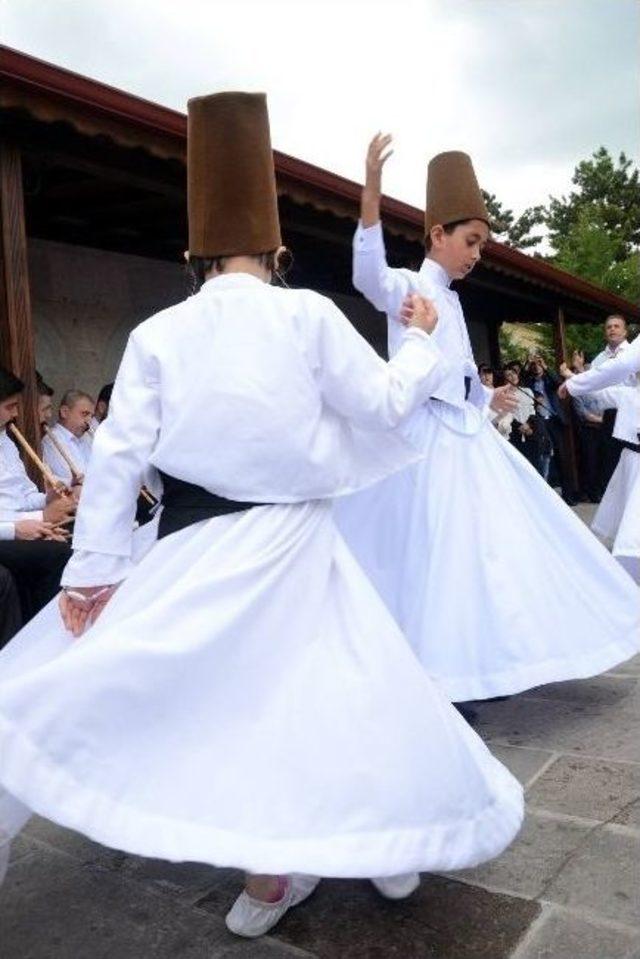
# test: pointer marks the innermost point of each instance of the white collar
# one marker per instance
(613, 350)
(226, 281)
(66, 434)
(434, 272)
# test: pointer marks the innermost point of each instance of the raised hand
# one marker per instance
(378, 153)
(420, 312)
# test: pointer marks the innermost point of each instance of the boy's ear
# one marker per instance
(436, 233)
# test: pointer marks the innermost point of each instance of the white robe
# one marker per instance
(245, 699)
(617, 519)
(497, 585)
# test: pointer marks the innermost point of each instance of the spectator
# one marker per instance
(486, 375)
(540, 440)
(521, 431)
(545, 382)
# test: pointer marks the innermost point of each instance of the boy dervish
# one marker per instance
(497, 585)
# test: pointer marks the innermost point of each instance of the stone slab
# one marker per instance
(533, 859)
(608, 732)
(599, 691)
(190, 880)
(523, 763)
(587, 788)
(72, 843)
(444, 919)
(558, 934)
(602, 876)
(54, 908)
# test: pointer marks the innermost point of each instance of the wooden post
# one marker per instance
(570, 432)
(495, 354)
(16, 330)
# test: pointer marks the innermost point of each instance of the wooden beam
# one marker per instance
(570, 429)
(16, 331)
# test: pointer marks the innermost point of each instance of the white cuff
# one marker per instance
(95, 569)
(368, 237)
(7, 531)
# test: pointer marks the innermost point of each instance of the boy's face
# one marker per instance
(9, 409)
(458, 252)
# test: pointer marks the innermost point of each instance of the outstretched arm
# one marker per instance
(359, 385)
(597, 378)
(383, 287)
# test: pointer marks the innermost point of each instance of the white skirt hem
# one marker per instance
(47, 789)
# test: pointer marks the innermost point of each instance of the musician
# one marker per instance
(70, 435)
(32, 543)
(45, 402)
(102, 406)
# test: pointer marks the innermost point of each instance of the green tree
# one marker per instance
(611, 188)
(590, 250)
(508, 229)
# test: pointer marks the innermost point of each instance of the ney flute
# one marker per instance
(48, 476)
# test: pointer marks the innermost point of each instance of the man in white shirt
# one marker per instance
(32, 547)
(615, 334)
(70, 433)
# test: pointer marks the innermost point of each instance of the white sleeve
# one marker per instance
(359, 385)
(611, 373)
(7, 530)
(383, 286)
(121, 451)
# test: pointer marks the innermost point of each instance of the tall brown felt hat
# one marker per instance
(452, 191)
(231, 184)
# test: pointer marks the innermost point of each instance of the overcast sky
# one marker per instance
(528, 87)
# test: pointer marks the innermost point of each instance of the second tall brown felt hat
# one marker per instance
(231, 185)
(452, 191)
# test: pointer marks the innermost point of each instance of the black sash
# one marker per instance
(630, 446)
(185, 503)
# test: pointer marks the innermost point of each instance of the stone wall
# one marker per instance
(85, 302)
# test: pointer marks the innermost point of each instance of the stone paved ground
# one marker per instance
(568, 888)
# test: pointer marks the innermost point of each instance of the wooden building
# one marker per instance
(93, 210)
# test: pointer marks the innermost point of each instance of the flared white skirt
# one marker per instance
(246, 700)
(496, 583)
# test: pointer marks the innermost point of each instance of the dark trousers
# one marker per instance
(10, 613)
(611, 449)
(590, 442)
(36, 567)
(555, 428)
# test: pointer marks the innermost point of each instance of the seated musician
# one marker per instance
(33, 543)
(102, 406)
(69, 436)
(45, 403)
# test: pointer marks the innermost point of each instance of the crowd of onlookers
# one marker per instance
(538, 427)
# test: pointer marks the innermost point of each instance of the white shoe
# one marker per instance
(397, 887)
(251, 918)
(5, 852)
